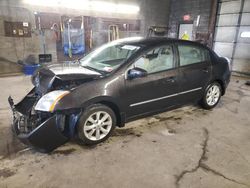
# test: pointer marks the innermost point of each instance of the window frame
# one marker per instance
(175, 60)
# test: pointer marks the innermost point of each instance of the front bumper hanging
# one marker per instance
(46, 136)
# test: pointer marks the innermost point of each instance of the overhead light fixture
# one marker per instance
(100, 6)
(198, 20)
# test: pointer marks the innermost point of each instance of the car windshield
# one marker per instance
(108, 57)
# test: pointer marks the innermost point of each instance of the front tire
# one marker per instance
(96, 124)
(211, 96)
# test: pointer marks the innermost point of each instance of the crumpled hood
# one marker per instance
(61, 76)
(70, 69)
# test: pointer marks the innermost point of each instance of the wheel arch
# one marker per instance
(221, 84)
(110, 102)
(116, 109)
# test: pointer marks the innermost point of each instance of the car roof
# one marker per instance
(154, 41)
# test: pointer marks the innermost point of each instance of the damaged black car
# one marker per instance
(119, 82)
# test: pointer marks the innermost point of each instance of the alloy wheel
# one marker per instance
(213, 95)
(97, 126)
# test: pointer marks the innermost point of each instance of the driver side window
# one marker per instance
(157, 60)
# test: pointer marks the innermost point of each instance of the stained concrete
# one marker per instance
(187, 147)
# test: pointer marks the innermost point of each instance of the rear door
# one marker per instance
(194, 71)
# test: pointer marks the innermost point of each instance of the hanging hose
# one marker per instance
(113, 32)
(70, 47)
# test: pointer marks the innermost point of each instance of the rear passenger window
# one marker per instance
(192, 54)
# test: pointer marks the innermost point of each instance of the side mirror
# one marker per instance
(136, 73)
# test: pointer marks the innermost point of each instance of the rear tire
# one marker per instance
(96, 124)
(211, 96)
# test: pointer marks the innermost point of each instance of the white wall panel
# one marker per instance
(224, 49)
(245, 19)
(225, 34)
(246, 6)
(227, 20)
(241, 65)
(230, 7)
(242, 51)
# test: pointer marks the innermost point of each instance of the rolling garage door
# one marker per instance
(232, 33)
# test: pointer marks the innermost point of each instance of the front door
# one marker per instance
(157, 90)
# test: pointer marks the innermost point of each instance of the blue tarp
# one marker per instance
(77, 41)
(30, 69)
(75, 49)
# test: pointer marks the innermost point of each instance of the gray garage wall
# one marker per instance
(194, 8)
(152, 12)
(233, 18)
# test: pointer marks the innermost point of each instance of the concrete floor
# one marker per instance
(187, 147)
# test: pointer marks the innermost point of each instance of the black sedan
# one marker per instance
(119, 82)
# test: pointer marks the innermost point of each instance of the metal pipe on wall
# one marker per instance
(212, 22)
